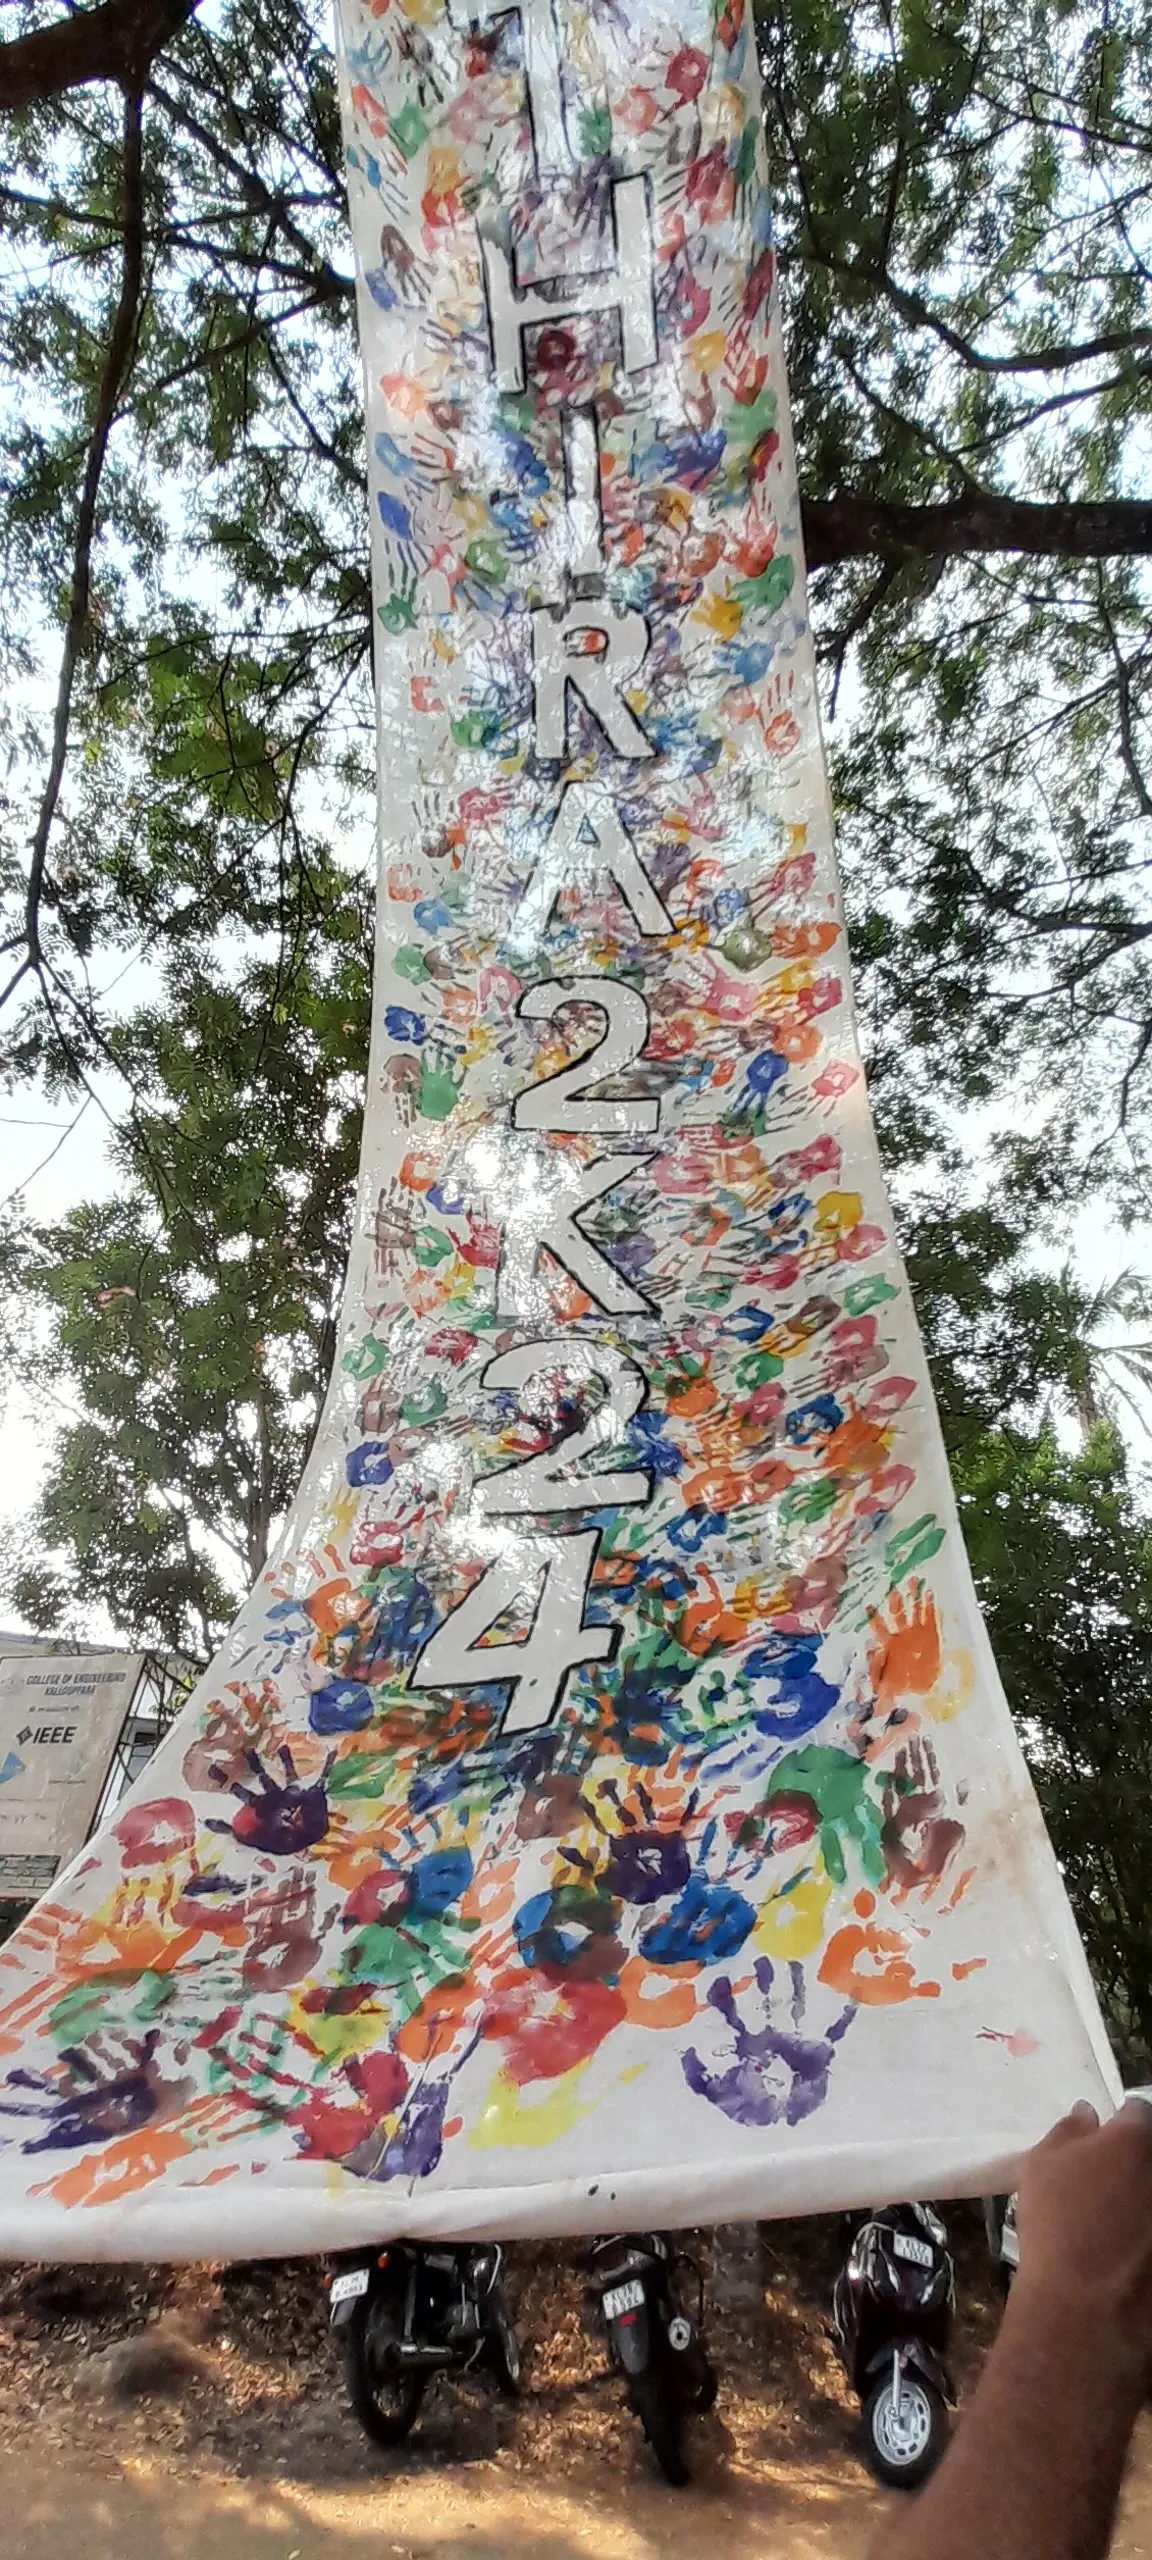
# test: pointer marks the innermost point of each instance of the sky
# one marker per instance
(55, 1157)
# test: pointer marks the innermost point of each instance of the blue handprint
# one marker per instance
(778, 2075)
(798, 1697)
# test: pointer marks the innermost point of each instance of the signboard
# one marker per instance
(605, 1811)
(60, 1717)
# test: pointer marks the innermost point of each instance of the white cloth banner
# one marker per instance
(606, 1810)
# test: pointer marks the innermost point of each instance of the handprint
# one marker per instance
(917, 1839)
(156, 1833)
(279, 1817)
(821, 1789)
(218, 1756)
(106, 2089)
(872, 1964)
(394, 1228)
(401, 2128)
(550, 1807)
(904, 1660)
(778, 2074)
(284, 1944)
(413, 2151)
(402, 1076)
(791, 1696)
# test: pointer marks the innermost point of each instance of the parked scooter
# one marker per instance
(1003, 2242)
(407, 2313)
(892, 2317)
(652, 2341)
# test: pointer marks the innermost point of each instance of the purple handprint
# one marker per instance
(779, 2075)
(413, 2151)
(279, 1816)
(104, 2090)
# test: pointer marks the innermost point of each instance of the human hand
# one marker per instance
(1084, 2219)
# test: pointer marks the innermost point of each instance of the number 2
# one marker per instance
(551, 1481)
(558, 1102)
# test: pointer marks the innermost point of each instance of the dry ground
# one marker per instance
(255, 2457)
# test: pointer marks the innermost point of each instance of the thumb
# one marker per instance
(1080, 2120)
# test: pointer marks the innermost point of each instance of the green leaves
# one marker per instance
(964, 254)
(1064, 1565)
(1029, 1381)
(206, 734)
(194, 1314)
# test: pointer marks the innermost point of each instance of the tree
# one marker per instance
(962, 215)
(117, 40)
(189, 331)
(1102, 1373)
(963, 212)
(1061, 1551)
(1064, 1568)
(195, 1312)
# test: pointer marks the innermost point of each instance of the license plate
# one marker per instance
(917, 2252)
(345, 2288)
(626, 2297)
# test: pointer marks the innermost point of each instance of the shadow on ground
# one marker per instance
(266, 2403)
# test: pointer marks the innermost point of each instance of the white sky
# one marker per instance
(56, 1156)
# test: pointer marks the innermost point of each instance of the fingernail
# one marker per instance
(1084, 2112)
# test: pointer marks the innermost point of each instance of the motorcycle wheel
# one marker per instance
(385, 2399)
(904, 2446)
(660, 2417)
(505, 2350)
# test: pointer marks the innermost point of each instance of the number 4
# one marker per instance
(537, 1668)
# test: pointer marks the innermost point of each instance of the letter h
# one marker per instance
(627, 288)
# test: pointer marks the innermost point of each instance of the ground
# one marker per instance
(254, 2456)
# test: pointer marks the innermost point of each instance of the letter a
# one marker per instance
(588, 835)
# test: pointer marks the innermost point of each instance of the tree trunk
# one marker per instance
(119, 41)
(856, 527)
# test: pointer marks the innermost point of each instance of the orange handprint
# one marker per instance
(904, 1660)
(871, 1965)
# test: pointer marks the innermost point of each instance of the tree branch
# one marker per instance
(258, 196)
(855, 527)
(119, 40)
(117, 366)
(913, 307)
